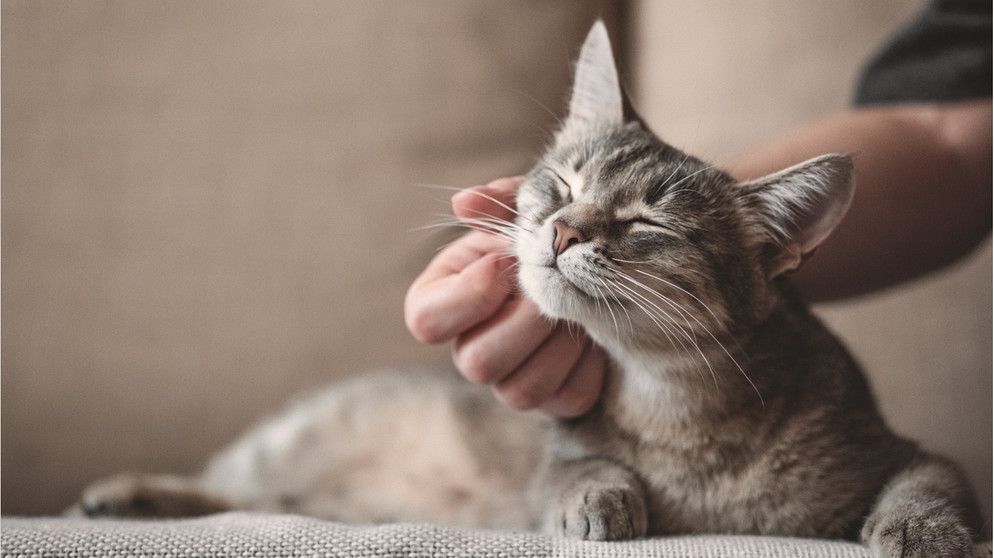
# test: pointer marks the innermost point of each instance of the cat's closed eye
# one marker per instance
(646, 221)
(648, 224)
(565, 190)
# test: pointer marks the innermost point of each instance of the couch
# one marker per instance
(208, 207)
(279, 536)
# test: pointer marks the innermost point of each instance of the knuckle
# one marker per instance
(475, 364)
(574, 400)
(516, 397)
(423, 327)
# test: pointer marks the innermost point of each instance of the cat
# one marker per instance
(727, 406)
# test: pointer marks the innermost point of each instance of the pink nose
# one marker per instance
(566, 236)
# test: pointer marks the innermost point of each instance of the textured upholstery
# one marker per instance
(279, 536)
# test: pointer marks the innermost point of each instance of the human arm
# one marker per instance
(923, 191)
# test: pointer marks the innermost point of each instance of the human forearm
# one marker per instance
(923, 194)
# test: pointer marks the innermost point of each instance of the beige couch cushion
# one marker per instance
(208, 206)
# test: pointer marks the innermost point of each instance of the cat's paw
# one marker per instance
(129, 495)
(602, 514)
(920, 534)
(118, 496)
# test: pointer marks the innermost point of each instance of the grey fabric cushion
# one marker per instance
(256, 535)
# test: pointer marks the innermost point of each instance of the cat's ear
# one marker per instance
(799, 207)
(597, 95)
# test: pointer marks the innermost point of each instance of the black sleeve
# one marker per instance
(942, 55)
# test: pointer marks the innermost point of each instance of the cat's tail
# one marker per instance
(927, 509)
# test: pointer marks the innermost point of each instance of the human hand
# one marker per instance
(468, 293)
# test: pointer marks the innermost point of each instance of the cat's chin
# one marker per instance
(554, 295)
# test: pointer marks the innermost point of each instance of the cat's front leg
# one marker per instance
(927, 510)
(595, 499)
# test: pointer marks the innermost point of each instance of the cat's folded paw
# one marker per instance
(603, 514)
(921, 534)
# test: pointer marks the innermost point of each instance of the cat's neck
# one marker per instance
(676, 385)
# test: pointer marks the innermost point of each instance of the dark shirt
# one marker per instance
(944, 54)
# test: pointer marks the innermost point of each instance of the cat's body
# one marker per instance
(727, 407)
(718, 459)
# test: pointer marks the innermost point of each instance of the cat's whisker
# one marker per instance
(547, 135)
(647, 307)
(687, 333)
(443, 188)
(485, 196)
(447, 223)
(541, 105)
(472, 191)
(482, 216)
(532, 217)
(493, 225)
(598, 302)
(439, 187)
(665, 324)
(669, 329)
(504, 229)
(489, 228)
(655, 319)
(665, 183)
(512, 268)
(689, 176)
(443, 221)
(666, 300)
(607, 287)
(692, 296)
(448, 220)
(682, 290)
(573, 330)
(488, 197)
(680, 310)
(704, 327)
(634, 262)
(685, 314)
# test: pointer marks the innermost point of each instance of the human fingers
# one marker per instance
(537, 380)
(491, 351)
(462, 286)
(582, 387)
(495, 200)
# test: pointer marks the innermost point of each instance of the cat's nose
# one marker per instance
(566, 236)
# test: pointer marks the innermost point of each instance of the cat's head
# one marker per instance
(644, 245)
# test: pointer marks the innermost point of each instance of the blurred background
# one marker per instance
(210, 206)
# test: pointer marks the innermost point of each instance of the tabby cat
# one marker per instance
(728, 407)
